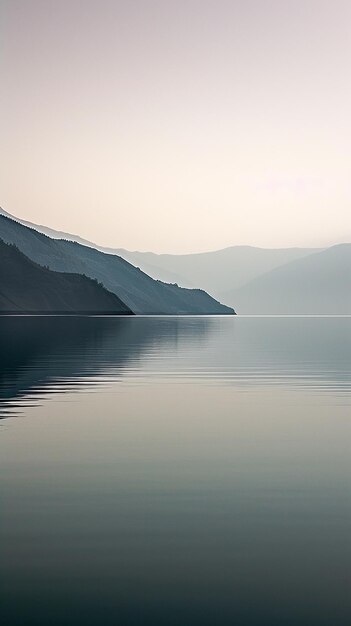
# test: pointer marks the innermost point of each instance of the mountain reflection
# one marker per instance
(44, 354)
(41, 355)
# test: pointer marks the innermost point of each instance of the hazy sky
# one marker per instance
(178, 125)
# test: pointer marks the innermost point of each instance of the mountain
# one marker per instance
(135, 258)
(317, 284)
(217, 271)
(26, 287)
(253, 280)
(141, 293)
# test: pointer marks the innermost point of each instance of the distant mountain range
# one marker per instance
(138, 291)
(252, 280)
(316, 284)
(218, 271)
(26, 287)
(262, 281)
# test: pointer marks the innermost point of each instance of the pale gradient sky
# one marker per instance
(178, 125)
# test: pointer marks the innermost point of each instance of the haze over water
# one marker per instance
(175, 471)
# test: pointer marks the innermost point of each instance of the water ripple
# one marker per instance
(41, 357)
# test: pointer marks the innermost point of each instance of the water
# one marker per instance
(175, 471)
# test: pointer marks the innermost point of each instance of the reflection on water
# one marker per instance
(176, 471)
(58, 354)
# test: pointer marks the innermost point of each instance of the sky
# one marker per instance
(178, 126)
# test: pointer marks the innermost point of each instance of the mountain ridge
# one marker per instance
(316, 284)
(253, 280)
(216, 271)
(141, 293)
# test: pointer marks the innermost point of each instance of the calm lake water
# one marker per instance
(175, 471)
